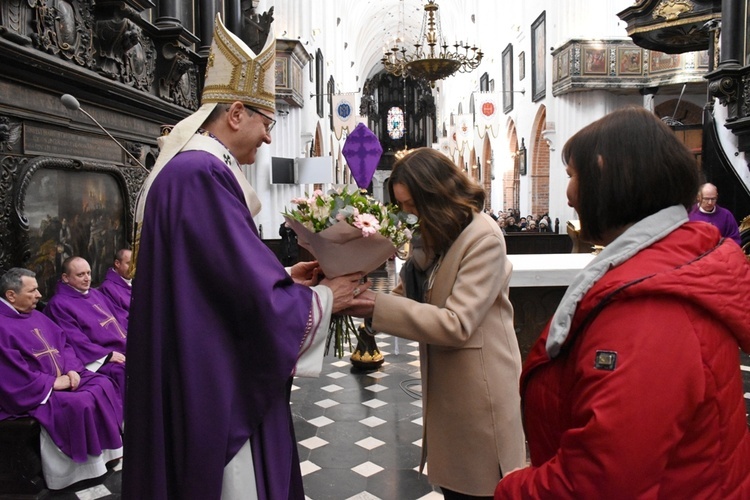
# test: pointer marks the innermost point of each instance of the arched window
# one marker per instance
(395, 122)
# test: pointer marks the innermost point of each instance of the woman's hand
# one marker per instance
(306, 273)
(362, 306)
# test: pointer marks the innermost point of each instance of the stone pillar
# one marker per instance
(732, 33)
(206, 27)
(378, 185)
(233, 16)
(170, 13)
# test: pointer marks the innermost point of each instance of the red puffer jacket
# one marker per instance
(645, 399)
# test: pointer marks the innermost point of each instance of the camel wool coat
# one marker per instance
(470, 362)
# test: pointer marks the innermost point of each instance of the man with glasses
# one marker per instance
(217, 326)
(270, 122)
(707, 210)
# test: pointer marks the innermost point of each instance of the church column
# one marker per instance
(233, 16)
(206, 27)
(170, 13)
(732, 32)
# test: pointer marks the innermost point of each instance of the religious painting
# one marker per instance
(280, 73)
(73, 213)
(508, 79)
(594, 61)
(563, 64)
(660, 62)
(629, 61)
(538, 58)
(521, 66)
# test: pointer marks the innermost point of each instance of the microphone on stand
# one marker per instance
(72, 104)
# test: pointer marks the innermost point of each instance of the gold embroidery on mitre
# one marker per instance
(236, 74)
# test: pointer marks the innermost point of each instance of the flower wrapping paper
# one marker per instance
(341, 249)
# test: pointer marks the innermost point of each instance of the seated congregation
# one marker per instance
(63, 384)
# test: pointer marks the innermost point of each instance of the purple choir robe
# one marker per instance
(117, 290)
(33, 352)
(216, 325)
(722, 218)
(91, 327)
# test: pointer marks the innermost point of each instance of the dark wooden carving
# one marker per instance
(125, 53)
(674, 26)
(255, 27)
(180, 81)
(16, 20)
(414, 97)
(65, 28)
(10, 134)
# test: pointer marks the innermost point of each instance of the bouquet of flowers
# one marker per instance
(348, 232)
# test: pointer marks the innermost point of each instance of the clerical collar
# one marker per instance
(76, 289)
(706, 212)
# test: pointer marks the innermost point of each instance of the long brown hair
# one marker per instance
(443, 195)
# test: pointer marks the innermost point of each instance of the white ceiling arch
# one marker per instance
(373, 25)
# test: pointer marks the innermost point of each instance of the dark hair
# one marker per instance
(12, 280)
(443, 195)
(120, 254)
(628, 165)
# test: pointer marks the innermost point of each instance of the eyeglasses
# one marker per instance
(709, 199)
(271, 121)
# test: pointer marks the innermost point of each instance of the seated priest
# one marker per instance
(116, 285)
(80, 412)
(87, 318)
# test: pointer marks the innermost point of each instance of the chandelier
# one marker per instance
(433, 58)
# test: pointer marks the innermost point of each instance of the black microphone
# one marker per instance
(72, 104)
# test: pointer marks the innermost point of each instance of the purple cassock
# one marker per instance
(216, 326)
(117, 290)
(91, 327)
(33, 352)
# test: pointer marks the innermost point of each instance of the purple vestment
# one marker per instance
(33, 352)
(91, 327)
(216, 325)
(118, 292)
(721, 218)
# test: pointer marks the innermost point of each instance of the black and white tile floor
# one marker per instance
(359, 433)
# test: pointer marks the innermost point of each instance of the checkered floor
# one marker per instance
(359, 433)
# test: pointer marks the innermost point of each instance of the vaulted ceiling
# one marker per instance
(374, 25)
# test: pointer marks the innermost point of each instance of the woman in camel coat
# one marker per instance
(453, 299)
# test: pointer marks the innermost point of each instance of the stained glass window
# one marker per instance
(395, 123)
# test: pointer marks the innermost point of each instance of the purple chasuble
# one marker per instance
(216, 326)
(33, 352)
(88, 321)
(91, 328)
(721, 218)
(117, 290)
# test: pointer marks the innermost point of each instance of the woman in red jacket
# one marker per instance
(634, 389)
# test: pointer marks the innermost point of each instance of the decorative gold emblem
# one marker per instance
(672, 9)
